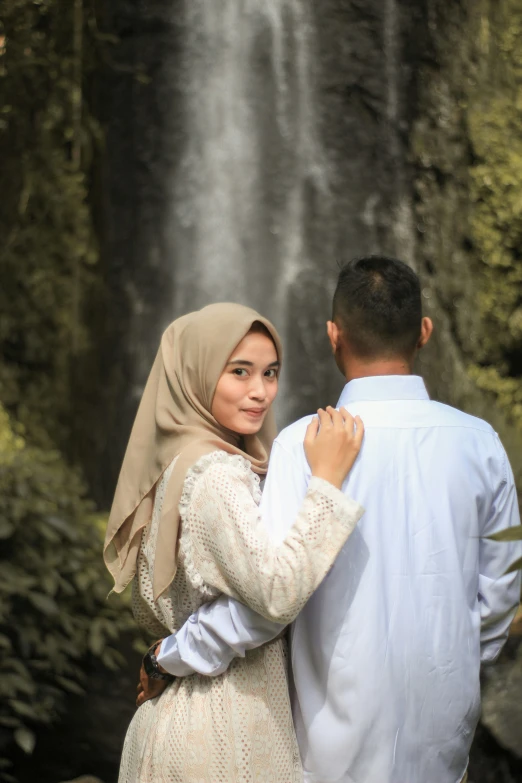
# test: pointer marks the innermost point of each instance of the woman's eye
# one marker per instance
(271, 373)
(240, 372)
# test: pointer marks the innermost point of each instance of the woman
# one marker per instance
(185, 525)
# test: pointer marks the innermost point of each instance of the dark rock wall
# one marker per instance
(396, 87)
(367, 59)
(365, 63)
(133, 93)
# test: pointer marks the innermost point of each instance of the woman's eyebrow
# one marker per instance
(277, 363)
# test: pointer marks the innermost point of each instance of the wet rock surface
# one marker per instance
(502, 699)
(334, 185)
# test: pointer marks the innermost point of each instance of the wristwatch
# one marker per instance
(151, 665)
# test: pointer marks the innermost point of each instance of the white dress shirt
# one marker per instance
(386, 654)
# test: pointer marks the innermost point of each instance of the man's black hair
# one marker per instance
(377, 304)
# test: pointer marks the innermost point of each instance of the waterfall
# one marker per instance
(236, 221)
(267, 148)
(403, 229)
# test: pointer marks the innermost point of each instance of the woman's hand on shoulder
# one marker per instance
(332, 442)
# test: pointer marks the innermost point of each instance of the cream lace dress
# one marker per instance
(236, 727)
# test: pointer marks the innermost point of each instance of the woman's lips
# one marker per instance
(254, 413)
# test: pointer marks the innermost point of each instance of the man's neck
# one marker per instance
(359, 369)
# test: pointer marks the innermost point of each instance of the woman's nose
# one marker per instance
(257, 389)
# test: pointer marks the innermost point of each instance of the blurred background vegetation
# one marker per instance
(55, 620)
(64, 308)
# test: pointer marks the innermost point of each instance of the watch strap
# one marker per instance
(151, 665)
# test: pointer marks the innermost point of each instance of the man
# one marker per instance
(386, 654)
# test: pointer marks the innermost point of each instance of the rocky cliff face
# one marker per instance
(253, 189)
(467, 166)
(408, 111)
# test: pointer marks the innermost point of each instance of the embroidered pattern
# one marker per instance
(235, 728)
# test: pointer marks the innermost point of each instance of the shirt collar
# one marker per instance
(384, 387)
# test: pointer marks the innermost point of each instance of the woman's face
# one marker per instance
(248, 385)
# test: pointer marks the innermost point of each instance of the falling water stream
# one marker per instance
(251, 147)
(238, 199)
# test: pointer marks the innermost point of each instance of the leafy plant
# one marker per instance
(54, 615)
(53, 588)
(48, 247)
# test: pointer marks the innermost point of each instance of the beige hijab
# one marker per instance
(174, 418)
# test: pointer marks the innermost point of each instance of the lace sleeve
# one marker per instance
(225, 542)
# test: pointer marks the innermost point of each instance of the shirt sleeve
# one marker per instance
(499, 592)
(213, 636)
(225, 629)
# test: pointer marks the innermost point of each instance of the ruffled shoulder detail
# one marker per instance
(231, 465)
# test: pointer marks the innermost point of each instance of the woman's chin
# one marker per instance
(249, 427)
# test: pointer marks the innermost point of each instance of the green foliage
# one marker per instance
(53, 588)
(517, 566)
(510, 534)
(47, 241)
(505, 389)
(54, 616)
(497, 222)
(494, 120)
(467, 149)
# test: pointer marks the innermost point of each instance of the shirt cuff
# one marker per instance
(169, 658)
(347, 510)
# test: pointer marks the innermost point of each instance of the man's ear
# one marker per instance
(333, 335)
(426, 332)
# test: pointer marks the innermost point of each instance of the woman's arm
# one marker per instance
(225, 629)
(232, 552)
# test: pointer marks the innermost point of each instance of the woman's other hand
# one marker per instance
(332, 442)
(149, 688)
